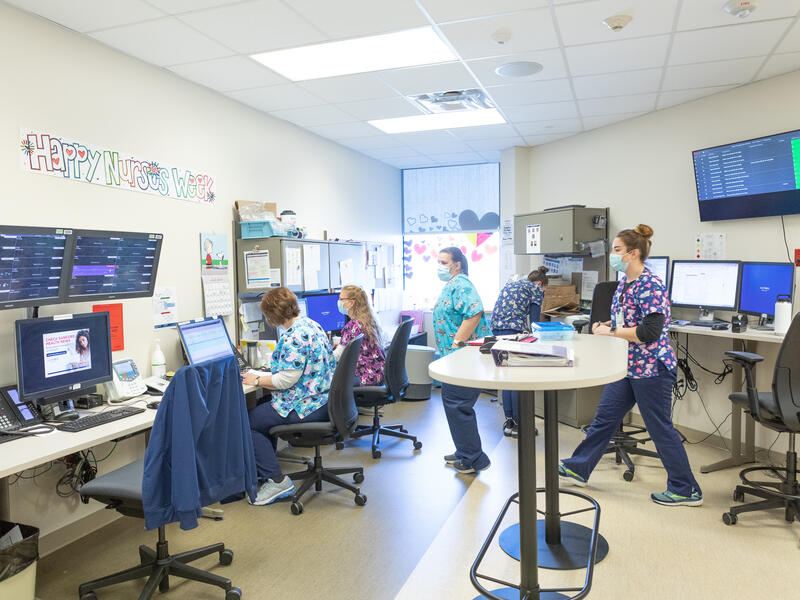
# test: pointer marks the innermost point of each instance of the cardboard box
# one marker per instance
(560, 299)
(249, 204)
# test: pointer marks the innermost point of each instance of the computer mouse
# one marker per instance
(154, 404)
(719, 326)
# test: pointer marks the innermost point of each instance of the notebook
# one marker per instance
(520, 354)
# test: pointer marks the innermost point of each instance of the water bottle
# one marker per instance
(783, 313)
(158, 364)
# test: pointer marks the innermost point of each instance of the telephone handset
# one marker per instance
(16, 413)
(126, 381)
(244, 365)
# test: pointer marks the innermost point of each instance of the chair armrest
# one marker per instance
(744, 358)
(580, 324)
(370, 389)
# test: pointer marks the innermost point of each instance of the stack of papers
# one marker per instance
(519, 354)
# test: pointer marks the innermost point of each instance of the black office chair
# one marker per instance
(343, 420)
(628, 438)
(392, 390)
(779, 411)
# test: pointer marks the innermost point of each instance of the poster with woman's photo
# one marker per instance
(66, 352)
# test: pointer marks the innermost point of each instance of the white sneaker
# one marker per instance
(272, 491)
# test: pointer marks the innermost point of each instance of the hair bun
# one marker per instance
(543, 269)
(644, 230)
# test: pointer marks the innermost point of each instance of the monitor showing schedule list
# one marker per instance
(32, 260)
(205, 340)
(705, 284)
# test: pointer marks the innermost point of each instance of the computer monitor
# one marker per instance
(59, 357)
(301, 304)
(761, 284)
(324, 310)
(705, 284)
(205, 340)
(113, 264)
(31, 265)
(658, 265)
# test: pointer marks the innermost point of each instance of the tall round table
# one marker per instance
(598, 360)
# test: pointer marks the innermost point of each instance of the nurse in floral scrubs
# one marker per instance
(640, 314)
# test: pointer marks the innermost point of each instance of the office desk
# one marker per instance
(598, 360)
(740, 454)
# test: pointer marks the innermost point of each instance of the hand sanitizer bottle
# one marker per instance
(158, 364)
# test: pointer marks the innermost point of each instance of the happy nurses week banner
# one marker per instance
(48, 154)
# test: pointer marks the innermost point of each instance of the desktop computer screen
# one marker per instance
(324, 310)
(205, 340)
(31, 265)
(705, 284)
(658, 265)
(113, 264)
(57, 356)
(761, 284)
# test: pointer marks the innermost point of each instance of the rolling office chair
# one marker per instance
(627, 439)
(392, 390)
(778, 410)
(343, 420)
(122, 489)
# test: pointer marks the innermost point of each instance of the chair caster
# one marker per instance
(403, 430)
(297, 507)
(729, 518)
(233, 594)
(738, 496)
(376, 454)
(417, 445)
(358, 477)
(226, 557)
(339, 445)
(360, 499)
(90, 596)
(628, 475)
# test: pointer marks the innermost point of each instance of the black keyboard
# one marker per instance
(702, 323)
(100, 418)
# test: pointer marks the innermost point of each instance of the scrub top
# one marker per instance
(459, 300)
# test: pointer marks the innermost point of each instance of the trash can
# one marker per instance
(419, 381)
(18, 562)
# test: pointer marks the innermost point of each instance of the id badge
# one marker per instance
(619, 319)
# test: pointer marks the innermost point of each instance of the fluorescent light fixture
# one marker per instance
(451, 120)
(409, 48)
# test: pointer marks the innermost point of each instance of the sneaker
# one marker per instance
(451, 458)
(272, 491)
(510, 428)
(461, 467)
(667, 498)
(570, 475)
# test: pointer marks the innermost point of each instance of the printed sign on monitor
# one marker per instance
(66, 352)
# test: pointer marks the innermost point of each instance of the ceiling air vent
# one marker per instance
(442, 102)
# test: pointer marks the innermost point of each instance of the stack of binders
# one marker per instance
(520, 354)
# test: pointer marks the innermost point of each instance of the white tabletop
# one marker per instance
(598, 360)
(749, 334)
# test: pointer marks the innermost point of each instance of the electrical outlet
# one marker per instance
(797, 257)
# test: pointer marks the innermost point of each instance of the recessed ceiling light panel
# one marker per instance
(432, 122)
(409, 48)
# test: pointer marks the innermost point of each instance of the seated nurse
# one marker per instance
(302, 369)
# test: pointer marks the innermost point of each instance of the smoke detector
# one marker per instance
(501, 37)
(457, 100)
(739, 8)
(617, 22)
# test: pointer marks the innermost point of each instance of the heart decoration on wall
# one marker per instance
(419, 249)
(468, 221)
(476, 256)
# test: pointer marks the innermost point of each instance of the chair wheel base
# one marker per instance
(729, 518)
(226, 557)
(360, 499)
(417, 445)
(628, 475)
(297, 508)
(738, 496)
(358, 477)
(233, 594)
(339, 445)
(376, 454)
(89, 596)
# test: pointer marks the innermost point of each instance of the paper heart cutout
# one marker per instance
(464, 249)
(419, 249)
(411, 221)
(426, 258)
(490, 249)
(56, 160)
(423, 219)
(434, 220)
(452, 223)
(69, 150)
(469, 221)
(476, 256)
(81, 153)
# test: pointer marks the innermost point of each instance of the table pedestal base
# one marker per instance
(571, 553)
(513, 594)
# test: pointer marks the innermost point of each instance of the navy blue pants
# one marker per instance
(459, 408)
(653, 396)
(263, 418)
(510, 406)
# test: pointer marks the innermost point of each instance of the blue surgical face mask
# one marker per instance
(615, 260)
(444, 273)
(340, 306)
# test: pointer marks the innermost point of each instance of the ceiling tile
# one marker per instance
(595, 122)
(495, 144)
(255, 26)
(556, 90)
(549, 127)
(92, 14)
(583, 23)
(457, 158)
(441, 139)
(180, 6)
(491, 155)
(392, 153)
(552, 62)
(386, 108)
(373, 142)
(791, 43)
(530, 30)
(618, 84)
(618, 105)
(666, 99)
(709, 13)
(612, 57)
(778, 64)
(411, 163)
(344, 131)
(178, 43)
(541, 112)
(348, 88)
(722, 43)
(226, 74)
(536, 140)
(484, 132)
(443, 11)
(436, 78)
(356, 18)
(727, 72)
(313, 115)
(276, 97)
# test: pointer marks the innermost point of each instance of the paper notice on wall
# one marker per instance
(217, 295)
(115, 319)
(251, 311)
(570, 265)
(165, 307)
(347, 272)
(507, 232)
(311, 257)
(710, 246)
(294, 262)
(275, 277)
(533, 241)
(588, 283)
(256, 269)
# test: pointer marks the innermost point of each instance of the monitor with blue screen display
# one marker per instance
(761, 284)
(324, 310)
(205, 340)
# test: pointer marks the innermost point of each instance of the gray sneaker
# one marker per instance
(272, 491)
(451, 458)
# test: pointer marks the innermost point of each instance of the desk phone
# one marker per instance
(126, 381)
(15, 412)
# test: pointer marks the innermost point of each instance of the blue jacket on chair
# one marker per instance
(200, 449)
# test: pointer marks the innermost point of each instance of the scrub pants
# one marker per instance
(458, 404)
(263, 418)
(510, 406)
(653, 396)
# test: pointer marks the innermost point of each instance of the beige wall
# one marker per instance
(642, 170)
(54, 79)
